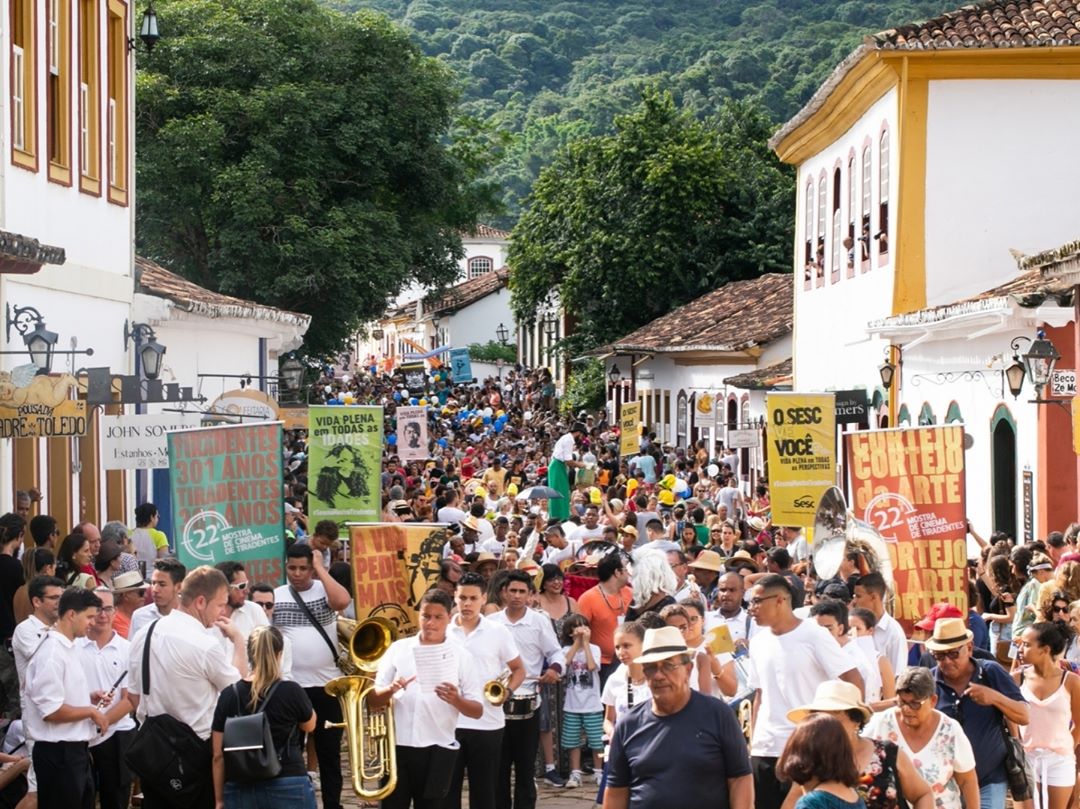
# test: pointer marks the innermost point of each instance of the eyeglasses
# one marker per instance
(952, 654)
(266, 605)
(759, 600)
(1057, 609)
(107, 609)
(667, 666)
(909, 704)
(240, 585)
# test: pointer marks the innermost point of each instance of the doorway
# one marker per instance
(1003, 466)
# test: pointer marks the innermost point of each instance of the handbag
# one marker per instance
(341, 659)
(167, 755)
(248, 743)
(1018, 770)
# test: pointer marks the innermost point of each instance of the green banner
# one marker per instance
(344, 464)
(227, 498)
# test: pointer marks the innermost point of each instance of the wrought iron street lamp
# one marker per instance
(502, 333)
(148, 350)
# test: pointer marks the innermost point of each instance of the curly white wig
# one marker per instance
(652, 575)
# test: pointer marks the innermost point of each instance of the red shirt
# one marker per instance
(603, 612)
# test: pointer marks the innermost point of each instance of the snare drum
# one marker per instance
(523, 703)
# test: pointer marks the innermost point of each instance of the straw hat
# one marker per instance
(709, 560)
(744, 557)
(949, 633)
(661, 644)
(128, 582)
(832, 695)
(628, 529)
(471, 523)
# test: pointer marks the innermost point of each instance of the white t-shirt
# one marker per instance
(564, 448)
(616, 693)
(867, 669)
(582, 694)
(313, 663)
(788, 669)
(450, 514)
(582, 534)
(890, 640)
(489, 648)
(421, 719)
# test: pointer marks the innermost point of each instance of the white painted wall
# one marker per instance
(831, 347)
(1001, 173)
(479, 322)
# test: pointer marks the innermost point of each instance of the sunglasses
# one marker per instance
(952, 654)
(266, 605)
(240, 585)
(1060, 609)
(667, 666)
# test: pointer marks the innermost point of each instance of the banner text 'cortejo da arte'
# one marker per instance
(801, 453)
(909, 485)
(226, 494)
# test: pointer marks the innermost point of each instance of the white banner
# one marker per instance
(412, 437)
(743, 438)
(138, 441)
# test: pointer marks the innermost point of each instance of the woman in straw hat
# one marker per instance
(935, 742)
(885, 771)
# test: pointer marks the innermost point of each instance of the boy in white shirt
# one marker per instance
(582, 709)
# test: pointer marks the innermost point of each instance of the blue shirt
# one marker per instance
(680, 760)
(981, 723)
(647, 465)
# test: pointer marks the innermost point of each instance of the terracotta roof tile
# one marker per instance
(482, 231)
(992, 24)
(771, 377)
(734, 317)
(22, 249)
(467, 292)
(153, 279)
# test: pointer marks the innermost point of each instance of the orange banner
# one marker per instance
(393, 565)
(909, 485)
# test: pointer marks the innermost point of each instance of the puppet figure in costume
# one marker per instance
(562, 460)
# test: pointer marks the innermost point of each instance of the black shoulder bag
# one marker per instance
(248, 743)
(341, 660)
(168, 755)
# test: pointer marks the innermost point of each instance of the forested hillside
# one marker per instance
(547, 71)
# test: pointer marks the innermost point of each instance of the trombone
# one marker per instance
(369, 732)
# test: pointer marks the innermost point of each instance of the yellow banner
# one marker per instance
(393, 565)
(43, 420)
(801, 438)
(630, 428)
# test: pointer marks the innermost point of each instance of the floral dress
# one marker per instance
(948, 751)
(879, 784)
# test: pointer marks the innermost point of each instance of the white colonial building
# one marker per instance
(932, 156)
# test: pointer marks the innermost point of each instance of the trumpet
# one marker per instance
(369, 732)
(496, 691)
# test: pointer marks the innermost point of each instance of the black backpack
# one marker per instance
(248, 744)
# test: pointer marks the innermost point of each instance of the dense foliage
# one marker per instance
(552, 71)
(300, 157)
(630, 225)
(492, 351)
(586, 388)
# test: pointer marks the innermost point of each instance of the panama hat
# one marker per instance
(471, 523)
(949, 633)
(709, 560)
(128, 582)
(832, 695)
(628, 529)
(743, 557)
(661, 644)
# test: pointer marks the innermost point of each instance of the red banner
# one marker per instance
(908, 484)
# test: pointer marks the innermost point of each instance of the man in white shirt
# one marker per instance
(245, 615)
(792, 538)
(789, 658)
(491, 651)
(833, 616)
(497, 543)
(450, 512)
(889, 637)
(730, 592)
(44, 593)
(539, 648)
(104, 656)
(165, 584)
(426, 714)
(562, 460)
(60, 714)
(591, 529)
(315, 652)
(188, 667)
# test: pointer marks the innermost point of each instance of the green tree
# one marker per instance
(300, 157)
(630, 225)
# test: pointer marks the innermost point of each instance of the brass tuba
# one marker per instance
(836, 530)
(369, 732)
(496, 691)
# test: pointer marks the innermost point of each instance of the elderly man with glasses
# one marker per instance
(978, 694)
(651, 761)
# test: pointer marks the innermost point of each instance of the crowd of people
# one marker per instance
(647, 630)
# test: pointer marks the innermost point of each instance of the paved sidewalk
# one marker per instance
(547, 798)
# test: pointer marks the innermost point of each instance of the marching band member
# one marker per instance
(426, 715)
(492, 651)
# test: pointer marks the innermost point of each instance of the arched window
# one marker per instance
(953, 413)
(835, 266)
(904, 416)
(864, 224)
(926, 415)
(882, 234)
(481, 265)
(819, 256)
(850, 244)
(1003, 469)
(808, 233)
